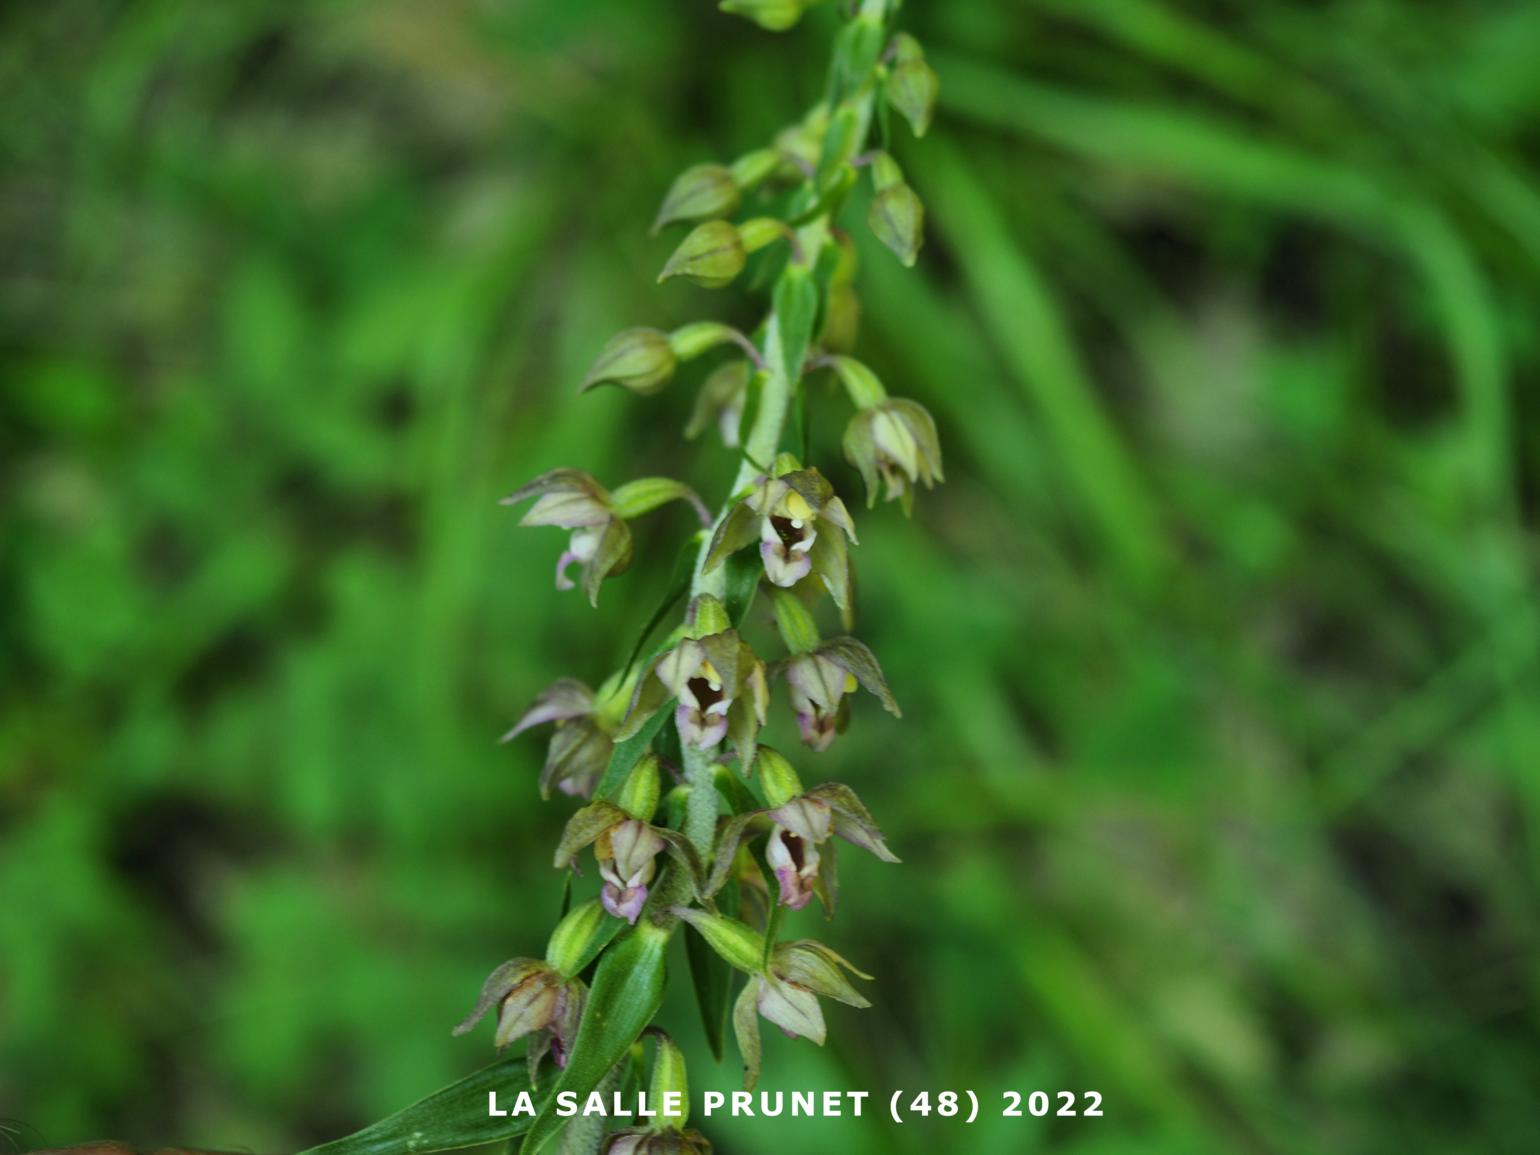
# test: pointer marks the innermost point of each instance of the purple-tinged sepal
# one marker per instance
(601, 541)
(582, 739)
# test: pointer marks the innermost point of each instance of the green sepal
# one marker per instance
(646, 494)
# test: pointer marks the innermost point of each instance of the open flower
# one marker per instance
(797, 848)
(601, 540)
(894, 440)
(800, 525)
(626, 848)
(720, 686)
(786, 994)
(531, 996)
(581, 742)
(821, 679)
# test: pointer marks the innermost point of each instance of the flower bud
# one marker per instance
(738, 944)
(669, 1077)
(771, 15)
(777, 777)
(702, 192)
(895, 441)
(795, 623)
(708, 616)
(753, 167)
(758, 232)
(897, 218)
(636, 359)
(571, 943)
(638, 794)
(912, 85)
(711, 256)
(842, 319)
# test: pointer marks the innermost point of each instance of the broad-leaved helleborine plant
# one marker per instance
(738, 839)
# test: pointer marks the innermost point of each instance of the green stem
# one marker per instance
(761, 446)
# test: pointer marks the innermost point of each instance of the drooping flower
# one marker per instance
(895, 441)
(601, 540)
(821, 679)
(890, 439)
(582, 739)
(786, 994)
(530, 996)
(626, 847)
(800, 826)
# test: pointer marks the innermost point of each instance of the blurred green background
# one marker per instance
(1217, 784)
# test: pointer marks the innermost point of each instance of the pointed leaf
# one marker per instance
(446, 1120)
(626, 994)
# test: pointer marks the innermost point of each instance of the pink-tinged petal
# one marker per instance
(817, 728)
(783, 568)
(794, 862)
(793, 1009)
(703, 732)
(563, 582)
(807, 818)
(624, 903)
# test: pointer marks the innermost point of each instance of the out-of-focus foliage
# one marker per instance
(1218, 651)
